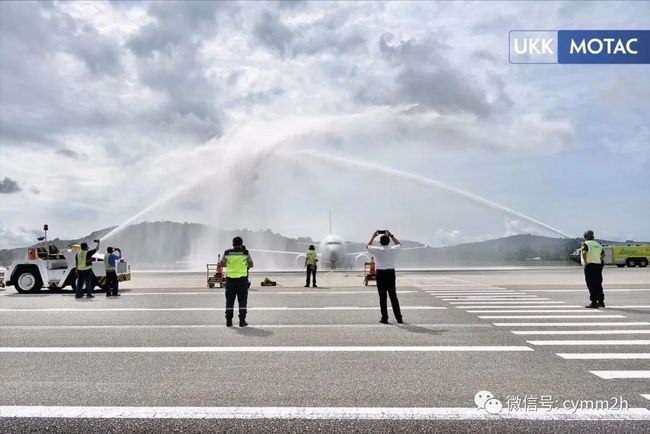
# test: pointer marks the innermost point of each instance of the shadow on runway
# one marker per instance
(253, 331)
(422, 330)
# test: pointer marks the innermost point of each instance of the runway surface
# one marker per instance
(159, 358)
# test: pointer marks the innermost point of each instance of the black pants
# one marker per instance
(236, 288)
(386, 286)
(594, 279)
(84, 281)
(111, 283)
(311, 271)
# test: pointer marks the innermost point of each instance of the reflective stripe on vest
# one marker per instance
(81, 260)
(593, 254)
(311, 257)
(236, 264)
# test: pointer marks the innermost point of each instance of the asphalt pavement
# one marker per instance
(159, 358)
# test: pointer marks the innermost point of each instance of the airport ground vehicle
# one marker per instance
(46, 266)
(2, 276)
(629, 255)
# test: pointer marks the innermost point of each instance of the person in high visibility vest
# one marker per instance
(593, 258)
(237, 262)
(111, 259)
(311, 258)
(84, 266)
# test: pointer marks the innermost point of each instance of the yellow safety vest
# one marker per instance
(593, 252)
(81, 261)
(236, 264)
(311, 257)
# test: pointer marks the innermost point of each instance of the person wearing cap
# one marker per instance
(237, 261)
(84, 267)
(111, 259)
(592, 258)
(385, 256)
(311, 258)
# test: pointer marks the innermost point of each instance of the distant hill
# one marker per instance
(191, 245)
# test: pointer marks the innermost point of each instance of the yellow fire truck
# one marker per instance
(629, 255)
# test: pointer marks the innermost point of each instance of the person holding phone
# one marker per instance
(385, 256)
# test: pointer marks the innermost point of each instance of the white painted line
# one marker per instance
(646, 396)
(594, 342)
(570, 324)
(209, 309)
(514, 307)
(490, 298)
(269, 349)
(255, 326)
(581, 332)
(585, 290)
(469, 303)
(547, 316)
(315, 413)
(529, 311)
(260, 292)
(611, 375)
(629, 306)
(605, 356)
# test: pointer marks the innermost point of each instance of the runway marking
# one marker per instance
(593, 342)
(469, 303)
(529, 311)
(612, 375)
(605, 356)
(547, 316)
(585, 290)
(220, 293)
(629, 307)
(253, 326)
(581, 332)
(646, 396)
(209, 309)
(570, 324)
(481, 294)
(270, 349)
(538, 307)
(315, 413)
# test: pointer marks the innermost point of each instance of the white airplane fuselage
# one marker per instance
(332, 251)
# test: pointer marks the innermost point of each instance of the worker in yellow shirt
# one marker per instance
(593, 258)
(311, 258)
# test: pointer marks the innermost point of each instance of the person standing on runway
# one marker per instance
(237, 261)
(84, 266)
(111, 259)
(592, 257)
(385, 256)
(310, 262)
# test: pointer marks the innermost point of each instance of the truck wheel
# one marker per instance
(28, 281)
(620, 265)
(630, 262)
(643, 262)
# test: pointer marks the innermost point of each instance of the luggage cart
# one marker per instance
(370, 272)
(214, 274)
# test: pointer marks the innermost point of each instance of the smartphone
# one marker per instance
(384, 231)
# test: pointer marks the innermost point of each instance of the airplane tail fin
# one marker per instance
(331, 231)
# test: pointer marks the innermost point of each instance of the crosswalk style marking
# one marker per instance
(646, 396)
(256, 326)
(581, 332)
(256, 293)
(583, 290)
(530, 311)
(605, 356)
(536, 307)
(570, 324)
(269, 349)
(210, 309)
(469, 303)
(547, 316)
(613, 375)
(593, 342)
(315, 413)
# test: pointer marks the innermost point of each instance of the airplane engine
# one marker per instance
(300, 259)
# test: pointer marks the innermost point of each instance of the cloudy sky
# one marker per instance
(271, 114)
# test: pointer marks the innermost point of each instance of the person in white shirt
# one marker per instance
(385, 256)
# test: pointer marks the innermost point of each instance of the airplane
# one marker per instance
(332, 250)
